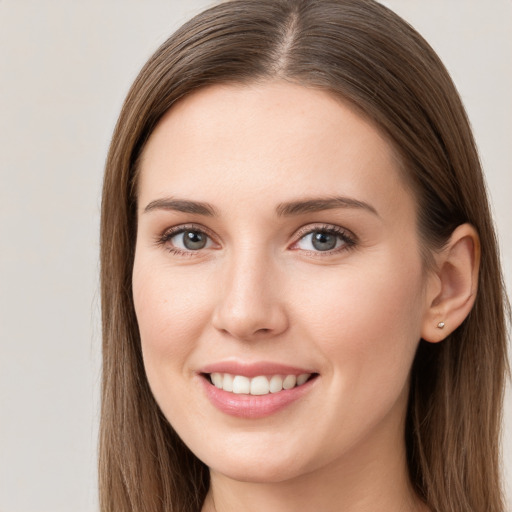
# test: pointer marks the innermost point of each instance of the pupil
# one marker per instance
(323, 241)
(194, 240)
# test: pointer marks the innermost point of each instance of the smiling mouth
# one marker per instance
(257, 386)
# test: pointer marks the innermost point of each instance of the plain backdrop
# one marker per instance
(65, 67)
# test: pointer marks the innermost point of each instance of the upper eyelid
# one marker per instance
(311, 228)
(176, 230)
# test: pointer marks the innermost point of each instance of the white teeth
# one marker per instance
(301, 379)
(227, 383)
(241, 385)
(217, 380)
(260, 385)
(289, 382)
(276, 384)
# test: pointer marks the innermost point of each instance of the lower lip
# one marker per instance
(254, 406)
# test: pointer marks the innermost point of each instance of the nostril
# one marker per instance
(246, 321)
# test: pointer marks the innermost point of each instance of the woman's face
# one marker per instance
(277, 244)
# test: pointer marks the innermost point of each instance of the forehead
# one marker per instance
(263, 140)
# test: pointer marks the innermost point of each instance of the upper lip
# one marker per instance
(253, 369)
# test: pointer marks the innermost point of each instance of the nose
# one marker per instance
(250, 304)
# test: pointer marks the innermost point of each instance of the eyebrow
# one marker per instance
(181, 205)
(287, 209)
(320, 204)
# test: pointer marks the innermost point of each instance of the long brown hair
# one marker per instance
(365, 54)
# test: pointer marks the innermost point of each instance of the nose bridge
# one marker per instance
(249, 304)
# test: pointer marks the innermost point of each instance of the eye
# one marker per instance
(190, 240)
(325, 239)
(185, 240)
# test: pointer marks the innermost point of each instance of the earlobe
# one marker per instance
(451, 297)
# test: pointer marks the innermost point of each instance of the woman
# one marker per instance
(302, 299)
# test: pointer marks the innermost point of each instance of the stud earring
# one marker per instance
(440, 325)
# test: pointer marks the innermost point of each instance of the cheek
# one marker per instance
(367, 326)
(367, 322)
(171, 313)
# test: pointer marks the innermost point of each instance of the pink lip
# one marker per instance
(253, 369)
(251, 406)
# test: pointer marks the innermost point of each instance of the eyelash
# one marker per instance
(172, 232)
(349, 239)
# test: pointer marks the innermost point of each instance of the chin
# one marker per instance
(261, 466)
(260, 473)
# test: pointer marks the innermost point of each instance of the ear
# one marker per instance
(452, 287)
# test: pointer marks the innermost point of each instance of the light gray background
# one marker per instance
(65, 67)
